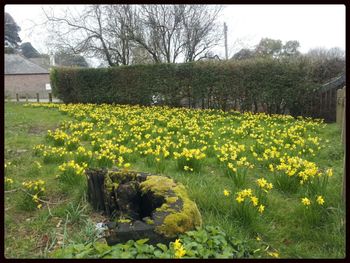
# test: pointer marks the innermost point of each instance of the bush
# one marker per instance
(276, 84)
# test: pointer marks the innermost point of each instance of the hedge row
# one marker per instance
(274, 84)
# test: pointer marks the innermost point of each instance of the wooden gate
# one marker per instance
(324, 102)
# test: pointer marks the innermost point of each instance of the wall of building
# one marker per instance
(26, 85)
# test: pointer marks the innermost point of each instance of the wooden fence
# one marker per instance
(324, 102)
(37, 97)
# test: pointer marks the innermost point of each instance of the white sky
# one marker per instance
(312, 25)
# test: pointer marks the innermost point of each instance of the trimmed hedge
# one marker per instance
(272, 83)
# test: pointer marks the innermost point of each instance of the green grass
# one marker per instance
(26, 231)
(281, 227)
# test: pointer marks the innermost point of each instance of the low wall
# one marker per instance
(26, 85)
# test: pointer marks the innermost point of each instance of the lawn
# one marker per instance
(215, 154)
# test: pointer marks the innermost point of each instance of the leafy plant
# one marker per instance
(208, 242)
(76, 214)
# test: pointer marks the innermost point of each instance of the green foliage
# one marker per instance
(76, 213)
(29, 51)
(276, 83)
(212, 242)
(11, 31)
(65, 58)
(209, 242)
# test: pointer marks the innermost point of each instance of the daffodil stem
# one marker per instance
(43, 201)
(11, 191)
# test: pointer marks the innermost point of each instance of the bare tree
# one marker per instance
(96, 31)
(119, 17)
(171, 32)
(157, 29)
(201, 32)
(119, 33)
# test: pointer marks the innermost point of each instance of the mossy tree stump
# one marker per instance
(141, 205)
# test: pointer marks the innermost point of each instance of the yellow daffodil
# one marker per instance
(320, 200)
(261, 209)
(239, 199)
(306, 201)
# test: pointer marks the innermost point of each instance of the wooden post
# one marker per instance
(343, 138)
(26, 97)
(50, 97)
(339, 110)
(17, 97)
(37, 97)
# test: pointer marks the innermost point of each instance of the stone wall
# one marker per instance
(26, 84)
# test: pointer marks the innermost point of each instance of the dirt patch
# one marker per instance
(37, 129)
(40, 129)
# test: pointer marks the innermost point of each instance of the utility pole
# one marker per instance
(225, 33)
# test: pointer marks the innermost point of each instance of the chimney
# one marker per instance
(52, 60)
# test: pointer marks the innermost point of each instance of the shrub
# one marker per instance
(276, 83)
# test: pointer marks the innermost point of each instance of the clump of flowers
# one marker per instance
(247, 205)
(50, 154)
(35, 191)
(190, 158)
(72, 143)
(58, 137)
(8, 183)
(72, 172)
(319, 200)
(105, 158)
(313, 208)
(293, 172)
(263, 187)
(82, 155)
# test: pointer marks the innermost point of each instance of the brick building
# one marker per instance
(24, 77)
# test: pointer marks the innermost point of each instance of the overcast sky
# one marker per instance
(312, 25)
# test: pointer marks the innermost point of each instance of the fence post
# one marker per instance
(343, 138)
(339, 110)
(37, 97)
(26, 97)
(17, 97)
(50, 97)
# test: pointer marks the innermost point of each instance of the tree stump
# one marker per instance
(141, 205)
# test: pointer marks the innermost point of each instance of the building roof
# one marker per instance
(16, 64)
(42, 62)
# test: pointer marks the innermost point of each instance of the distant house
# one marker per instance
(24, 77)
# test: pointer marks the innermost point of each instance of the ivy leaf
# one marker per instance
(142, 241)
(84, 254)
(162, 247)
(102, 248)
(125, 255)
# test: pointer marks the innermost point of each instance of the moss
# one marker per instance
(177, 221)
(114, 178)
(122, 220)
(171, 199)
(108, 183)
(149, 221)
